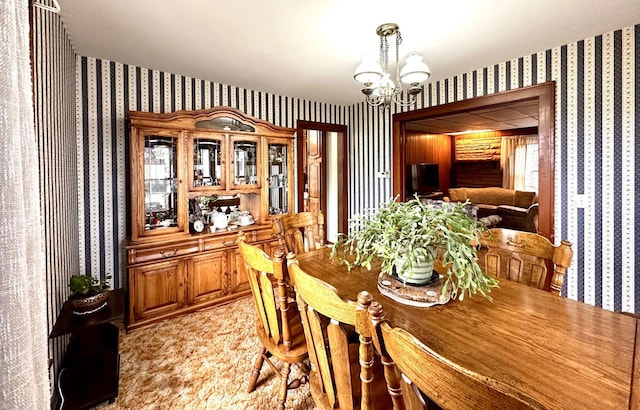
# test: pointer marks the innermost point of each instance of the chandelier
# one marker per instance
(378, 86)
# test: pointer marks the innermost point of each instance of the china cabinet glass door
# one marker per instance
(208, 163)
(278, 178)
(160, 180)
(246, 169)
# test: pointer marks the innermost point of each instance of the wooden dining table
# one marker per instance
(563, 353)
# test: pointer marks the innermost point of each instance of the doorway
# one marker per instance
(322, 174)
(542, 94)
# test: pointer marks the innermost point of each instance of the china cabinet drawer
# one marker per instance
(161, 252)
(228, 241)
(219, 242)
(264, 235)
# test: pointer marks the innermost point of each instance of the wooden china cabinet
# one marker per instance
(185, 166)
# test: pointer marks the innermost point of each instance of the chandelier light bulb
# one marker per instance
(415, 70)
(368, 71)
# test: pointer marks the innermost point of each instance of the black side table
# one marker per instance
(90, 370)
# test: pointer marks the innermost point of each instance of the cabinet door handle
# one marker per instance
(232, 243)
(168, 255)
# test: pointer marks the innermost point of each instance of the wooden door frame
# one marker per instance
(545, 95)
(342, 159)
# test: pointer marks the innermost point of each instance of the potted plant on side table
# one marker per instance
(88, 294)
(404, 236)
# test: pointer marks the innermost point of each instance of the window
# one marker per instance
(519, 163)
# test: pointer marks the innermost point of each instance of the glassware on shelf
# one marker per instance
(245, 170)
(206, 162)
(160, 181)
(278, 189)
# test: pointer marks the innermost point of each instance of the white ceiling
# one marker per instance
(309, 49)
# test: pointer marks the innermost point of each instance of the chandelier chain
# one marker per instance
(384, 49)
(398, 87)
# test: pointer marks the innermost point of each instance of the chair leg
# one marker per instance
(255, 373)
(284, 385)
(304, 379)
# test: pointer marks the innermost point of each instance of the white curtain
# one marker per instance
(520, 164)
(24, 379)
(513, 161)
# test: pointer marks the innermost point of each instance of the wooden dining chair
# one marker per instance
(299, 233)
(344, 372)
(278, 324)
(524, 257)
(419, 378)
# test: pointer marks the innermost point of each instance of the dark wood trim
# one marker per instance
(343, 156)
(520, 131)
(543, 93)
(634, 399)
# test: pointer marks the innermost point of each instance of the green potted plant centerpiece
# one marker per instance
(407, 238)
(88, 294)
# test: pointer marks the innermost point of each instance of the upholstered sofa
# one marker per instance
(517, 209)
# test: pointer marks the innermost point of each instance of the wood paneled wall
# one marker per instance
(477, 157)
(431, 149)
(465, 160)
(477, 174)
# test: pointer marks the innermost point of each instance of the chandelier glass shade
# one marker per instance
(379, 88)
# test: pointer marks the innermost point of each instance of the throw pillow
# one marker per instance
(524, 199)
(457, 194)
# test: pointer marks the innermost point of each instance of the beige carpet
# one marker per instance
(199, 361)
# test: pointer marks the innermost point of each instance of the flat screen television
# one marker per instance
(422, 179)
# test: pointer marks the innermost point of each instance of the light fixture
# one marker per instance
(378, 86)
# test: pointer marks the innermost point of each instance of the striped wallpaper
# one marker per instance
(597, 121)
(596, 126)
(105, 91)
(55, 113)
(80, 104)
